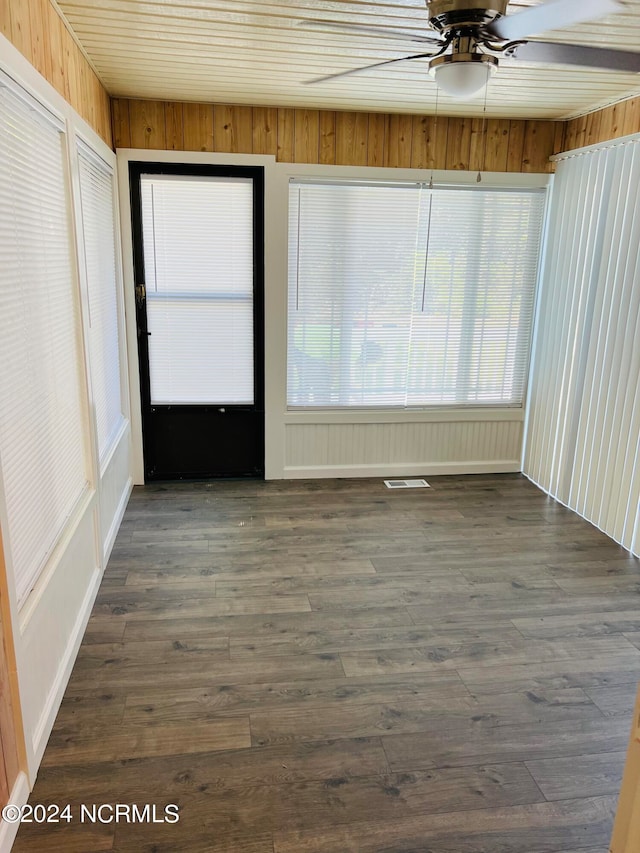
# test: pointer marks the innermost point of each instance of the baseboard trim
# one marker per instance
(18, 797)
(405, 469)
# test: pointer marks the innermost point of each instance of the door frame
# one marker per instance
(256, 173)
(275, 287)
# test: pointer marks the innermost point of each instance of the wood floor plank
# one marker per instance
(614, 699)
(169, 704)
(262, 624)
(600, 670)
(173, 777)
(65, 838)
(579, 625)
(427, 712)
(330, 666)
(84, 745)
(364, 639)
(463, 656)
(536, 828)
(282, 807)
(578, 776)
(209, 651)
(192, 672)
(442, 581)
(464, 741)
(250, 573)
(134, 606)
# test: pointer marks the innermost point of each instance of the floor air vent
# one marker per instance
(406, 484)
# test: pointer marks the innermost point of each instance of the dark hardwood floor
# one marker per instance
(333, 667)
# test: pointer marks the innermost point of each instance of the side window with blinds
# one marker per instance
(405, 296)
(42, 402)
(96, 192)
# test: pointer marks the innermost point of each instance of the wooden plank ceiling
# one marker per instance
(244, 52)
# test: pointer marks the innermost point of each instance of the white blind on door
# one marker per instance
(198, 257)
(401, 295)
(42, 404)
(583, 440)
(96, 189)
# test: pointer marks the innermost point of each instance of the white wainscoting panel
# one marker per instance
(402, 449)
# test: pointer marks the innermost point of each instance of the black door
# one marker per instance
(198, 235)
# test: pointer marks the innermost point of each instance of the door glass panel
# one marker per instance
(198, 257)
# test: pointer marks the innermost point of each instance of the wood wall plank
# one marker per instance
(378, 136)
(429, 145)
(21, 28)
(497, 145)
(121, 123)
(594, 121)
(40, 43)
(516, 146)
(174, 126)
(5, 19)
(233, 129)
(327, 137)
(147, 124)
(560, 128)
(398, 151)
(351, 138)
(477, 144)
(631, 123)
(197, 128)
(538, 145)
(39, 33)
(265, 130)
(342, 138)
(306, 139)
(458, 150)
(286, 129)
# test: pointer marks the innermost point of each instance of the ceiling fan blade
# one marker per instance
(550, 16)
(576, 54)
(367, 68)
(379, 31)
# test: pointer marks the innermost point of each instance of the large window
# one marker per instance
(42, 399)
(401, 295)
(96, 188)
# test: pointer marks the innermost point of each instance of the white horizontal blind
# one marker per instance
(198, 256)
(96, 189)
(583, 439)
(42, 405)
(402, 295)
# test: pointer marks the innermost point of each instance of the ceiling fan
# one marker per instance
(469, 33)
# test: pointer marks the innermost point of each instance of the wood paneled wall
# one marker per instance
(38, 31)
(339, 138)
(610, 123)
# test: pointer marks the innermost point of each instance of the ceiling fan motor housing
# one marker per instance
(446, 15)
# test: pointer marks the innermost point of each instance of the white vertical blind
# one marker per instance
(583, 438)
(198, 257)
(42, 405)
(96, 191)
(402, 295)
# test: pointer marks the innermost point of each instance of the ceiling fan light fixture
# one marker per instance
(463, 74)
